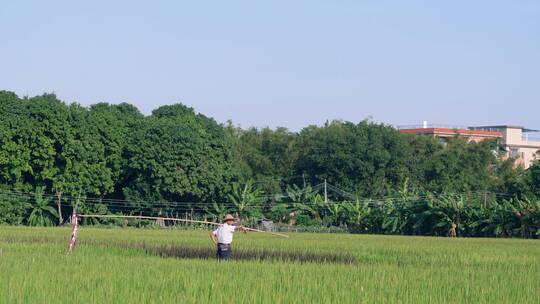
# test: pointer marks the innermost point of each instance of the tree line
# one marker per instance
(113, 159)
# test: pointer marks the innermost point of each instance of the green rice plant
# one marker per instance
(128, 265)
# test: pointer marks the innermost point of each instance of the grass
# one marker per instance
(126, 266)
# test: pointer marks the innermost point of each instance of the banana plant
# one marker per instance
(281, 212)
(396, 216)
(527, 212)
(216, 211)
(43, 213)
(496, 220)
(246, 200)
(402, 215)
(304, 201)
(335, 210)
(444, 215)
(357, 214)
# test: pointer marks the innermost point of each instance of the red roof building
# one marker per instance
(471, 135)
(514, 140)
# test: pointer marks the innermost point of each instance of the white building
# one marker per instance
(517, 143)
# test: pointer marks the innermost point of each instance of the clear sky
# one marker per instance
(283, 63)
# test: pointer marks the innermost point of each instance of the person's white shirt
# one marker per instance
(224, 233)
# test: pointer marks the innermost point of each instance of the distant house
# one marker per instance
(514, 140)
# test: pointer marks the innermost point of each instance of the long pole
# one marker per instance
(173, 219)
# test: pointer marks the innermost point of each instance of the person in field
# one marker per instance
(223, 237)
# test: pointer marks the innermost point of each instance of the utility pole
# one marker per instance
(304, 179)
(325, 192)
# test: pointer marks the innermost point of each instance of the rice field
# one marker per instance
(126, 265)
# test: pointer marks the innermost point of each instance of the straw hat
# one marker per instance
(228, 217)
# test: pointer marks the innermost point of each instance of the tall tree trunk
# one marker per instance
(59, 204)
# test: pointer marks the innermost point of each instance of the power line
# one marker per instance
(283, 195)
(190, 206)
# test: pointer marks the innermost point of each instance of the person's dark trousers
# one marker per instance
(224, 251)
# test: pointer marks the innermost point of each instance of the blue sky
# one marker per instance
(283, 63)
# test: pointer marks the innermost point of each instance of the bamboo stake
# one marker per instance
(173, 219)
(74, 228)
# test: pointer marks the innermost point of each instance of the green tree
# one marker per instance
(462, 166)
(33, 135)
(177, 155)
(13, 207)
(85, 171)
(114, 125)
(365, 158)
(506, 179)
(15, 153)
(266, 155)
(533, 178)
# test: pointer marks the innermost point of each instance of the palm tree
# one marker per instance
(42, 214)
